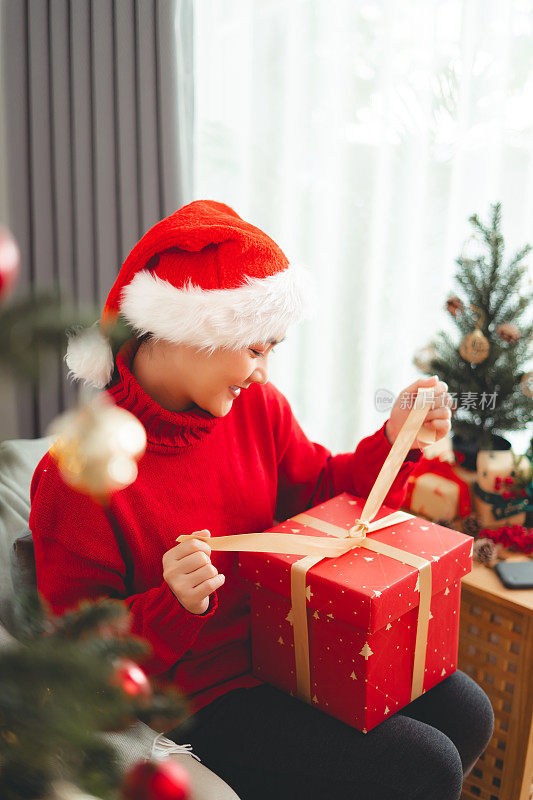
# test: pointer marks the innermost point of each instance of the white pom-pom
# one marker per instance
(89, 357)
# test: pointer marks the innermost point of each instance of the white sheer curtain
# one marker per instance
(360, 135)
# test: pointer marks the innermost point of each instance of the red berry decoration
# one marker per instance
(156, 780)
(511, 537)
(9, 262)
(506, 495)
(131, 679)
(509, 481)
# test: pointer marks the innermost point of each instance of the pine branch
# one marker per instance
(89, 616)
(36, 329)
(98, 770)
(30, 618)
(511, 309)
(467, 280)
(476, 222)
(520, 255)
(59, 690)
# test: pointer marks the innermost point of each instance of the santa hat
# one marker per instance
(203, 277)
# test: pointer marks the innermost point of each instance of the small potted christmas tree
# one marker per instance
(486, 369)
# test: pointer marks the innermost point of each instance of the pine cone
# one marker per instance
(454, 305)
(471, 526)
(485, 552)
(508, 332)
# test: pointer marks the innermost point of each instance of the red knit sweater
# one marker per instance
(233, 474)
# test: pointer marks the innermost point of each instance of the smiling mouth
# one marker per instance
(235, 390)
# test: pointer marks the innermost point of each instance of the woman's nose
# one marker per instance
(259, 375)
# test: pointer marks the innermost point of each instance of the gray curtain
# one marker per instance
(98, 116)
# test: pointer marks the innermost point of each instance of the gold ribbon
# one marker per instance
(339, 541)
(299, 608)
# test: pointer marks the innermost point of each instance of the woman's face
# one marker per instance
(179, 377)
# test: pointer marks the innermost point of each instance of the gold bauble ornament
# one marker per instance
(526, 384)
(475, 346)
(96, 448)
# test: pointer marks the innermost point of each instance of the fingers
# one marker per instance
(441, 412)
(194, 561)
(202, 535)
(202, 575)
(201, 592)
(441, 398)
(191, 576)
(186, 557)
(423, 382)
(191, 546)
(439, 387)
(442, 426)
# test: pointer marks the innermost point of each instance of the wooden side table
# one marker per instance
(496, 650)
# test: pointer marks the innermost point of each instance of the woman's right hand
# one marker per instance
(191, 576)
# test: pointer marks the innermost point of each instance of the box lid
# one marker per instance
(364, 588)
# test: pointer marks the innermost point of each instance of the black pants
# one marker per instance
(266, 744)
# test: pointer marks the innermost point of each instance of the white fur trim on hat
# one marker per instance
(89, 356)
(260, 309)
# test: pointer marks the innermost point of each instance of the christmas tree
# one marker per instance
(64, 680)
(486, 369)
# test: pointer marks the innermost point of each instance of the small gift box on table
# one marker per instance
(368, 618)
(435, 491)
(503, 492)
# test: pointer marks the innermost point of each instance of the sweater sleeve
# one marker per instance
(308, 473)
(77, 558)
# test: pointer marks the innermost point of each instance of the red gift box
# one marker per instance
(369, 618)
(368, 650)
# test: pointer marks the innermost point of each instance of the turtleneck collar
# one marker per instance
(164, 429)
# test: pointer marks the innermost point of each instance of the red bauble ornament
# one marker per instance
(131, 679)
(508, 332)
(9, 262)
(161, 780)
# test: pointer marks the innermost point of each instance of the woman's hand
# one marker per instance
(438, 417)
(191, 576)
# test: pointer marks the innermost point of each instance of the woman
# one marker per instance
(210, 296)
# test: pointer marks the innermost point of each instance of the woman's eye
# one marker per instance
(257, 353)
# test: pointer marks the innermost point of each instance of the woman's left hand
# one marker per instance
(438, 417)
